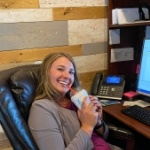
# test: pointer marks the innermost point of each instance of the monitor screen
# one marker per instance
(143, 85)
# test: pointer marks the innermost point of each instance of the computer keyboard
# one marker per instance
(139, 113)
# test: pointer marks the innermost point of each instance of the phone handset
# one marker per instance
(96, 83)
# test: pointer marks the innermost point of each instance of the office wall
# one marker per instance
(31, 29)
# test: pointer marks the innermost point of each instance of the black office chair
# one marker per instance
(17, 90)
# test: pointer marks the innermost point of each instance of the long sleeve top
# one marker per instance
(56, 128)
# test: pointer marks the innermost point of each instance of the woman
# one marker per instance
(54, 120)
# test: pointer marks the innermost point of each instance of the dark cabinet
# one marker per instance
(131, 35)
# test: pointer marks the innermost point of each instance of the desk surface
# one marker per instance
(115, 111)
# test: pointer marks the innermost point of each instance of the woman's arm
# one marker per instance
(102, 129)
(47, 133)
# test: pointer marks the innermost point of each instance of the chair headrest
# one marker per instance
(23, 85)
(20, 83)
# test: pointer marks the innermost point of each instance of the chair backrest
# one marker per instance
(17, 91)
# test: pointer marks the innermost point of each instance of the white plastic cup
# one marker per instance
(78, 97)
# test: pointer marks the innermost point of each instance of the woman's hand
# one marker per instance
(88, 115)
(96, 103)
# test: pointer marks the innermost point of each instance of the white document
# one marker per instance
(114, 16)
(127, 15)
(114, 36)
(137, 102)
(122, 54)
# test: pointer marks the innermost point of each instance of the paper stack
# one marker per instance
(127, 15)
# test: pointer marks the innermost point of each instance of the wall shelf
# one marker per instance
(131, 35)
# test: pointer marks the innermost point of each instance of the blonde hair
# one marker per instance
(45, 88)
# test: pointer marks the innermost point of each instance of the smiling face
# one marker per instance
(61, 74)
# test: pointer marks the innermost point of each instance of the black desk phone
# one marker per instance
(108, 86)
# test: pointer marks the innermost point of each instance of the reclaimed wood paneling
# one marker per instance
(33, 35)
(88, 63)
(25, 15)
(4, 142)
(86, 79)
(71, 3)
(12, 65)
(87, 31)
(7, 4)
(18, 56)
(94, 48)
(31, 55)
(76, 13)
(91, 63)
(10, 148)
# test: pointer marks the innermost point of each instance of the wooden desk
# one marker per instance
(115, 111)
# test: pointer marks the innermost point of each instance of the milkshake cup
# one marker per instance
(77, 96)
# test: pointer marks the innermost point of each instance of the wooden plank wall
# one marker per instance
(31, 29)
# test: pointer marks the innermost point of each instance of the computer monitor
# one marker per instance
(143, 84)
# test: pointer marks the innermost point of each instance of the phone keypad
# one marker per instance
(110, 91)
(103, 90)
